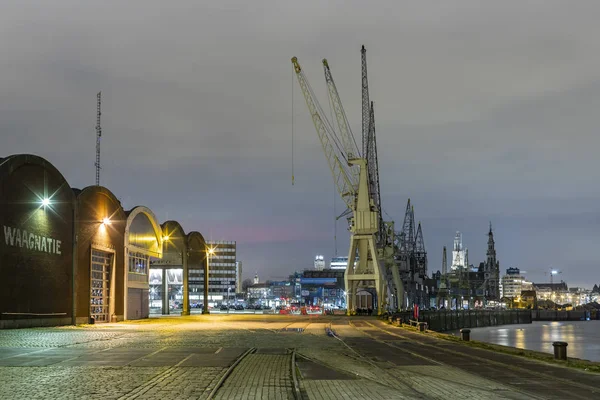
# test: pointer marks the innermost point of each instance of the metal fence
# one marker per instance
(574, 315)
(442, 321)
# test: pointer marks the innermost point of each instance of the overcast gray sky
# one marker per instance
(486, 111)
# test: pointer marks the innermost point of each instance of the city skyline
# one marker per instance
(475, 122)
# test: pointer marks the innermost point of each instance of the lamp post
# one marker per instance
(186, 291)
(228, 299)
(209, 252)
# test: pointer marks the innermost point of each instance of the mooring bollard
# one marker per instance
(465, 334)
(421, 326)
(560, 350)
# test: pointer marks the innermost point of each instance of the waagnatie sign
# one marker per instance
(21, 238)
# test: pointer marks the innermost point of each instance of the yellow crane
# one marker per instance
(351, 177)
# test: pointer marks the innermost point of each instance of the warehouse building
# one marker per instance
(75, 256)
(37, 208)
(99, 289)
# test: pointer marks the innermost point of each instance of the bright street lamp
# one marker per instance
(209, 252)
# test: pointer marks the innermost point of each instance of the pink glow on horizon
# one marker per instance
(263, 234)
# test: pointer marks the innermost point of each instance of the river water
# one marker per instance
(583, 337)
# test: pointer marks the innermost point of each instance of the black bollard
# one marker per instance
(560, 350)
(465, 334)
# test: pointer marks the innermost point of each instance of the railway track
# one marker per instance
(260, 373)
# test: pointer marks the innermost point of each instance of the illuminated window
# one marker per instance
(138, 263)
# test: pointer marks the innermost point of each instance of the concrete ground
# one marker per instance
(268, 357)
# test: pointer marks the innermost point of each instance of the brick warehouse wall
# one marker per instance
(35, 244)
(95, 203)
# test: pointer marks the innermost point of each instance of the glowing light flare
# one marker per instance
(211, 250)
(105, 221)
(165, 238)
(45, 202)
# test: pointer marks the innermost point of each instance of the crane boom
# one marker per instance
(373, 167)
(354, 190)
(366, 109)
(350, 148)
(343, 182)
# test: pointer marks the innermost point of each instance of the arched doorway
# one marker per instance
(168, 275)
(143, 245)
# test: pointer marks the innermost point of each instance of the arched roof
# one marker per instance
(13, 162)
(196, 250)
(172, 227)
(173, 237)
(90, 191)
(198, 236)
(133, 213)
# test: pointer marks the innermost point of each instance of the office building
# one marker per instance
(319, 263)
(222, 273)
(340, 263)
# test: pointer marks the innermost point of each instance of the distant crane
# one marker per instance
(98, 136)
(552, 273)
(351, 176)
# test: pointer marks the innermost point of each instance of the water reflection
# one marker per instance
(583, 337)
(520, 338)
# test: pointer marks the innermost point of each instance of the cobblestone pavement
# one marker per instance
(260, 376)
(186, 358)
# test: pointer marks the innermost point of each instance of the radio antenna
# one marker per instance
(98, 136)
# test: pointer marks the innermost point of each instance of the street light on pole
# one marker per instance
(209, 252)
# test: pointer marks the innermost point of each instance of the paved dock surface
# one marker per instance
(249, 357)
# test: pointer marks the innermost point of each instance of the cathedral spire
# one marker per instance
(491, 251)
(492, 269)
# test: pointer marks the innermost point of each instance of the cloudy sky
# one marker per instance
(486, 111)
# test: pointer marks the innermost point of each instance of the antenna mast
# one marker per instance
(98, 136)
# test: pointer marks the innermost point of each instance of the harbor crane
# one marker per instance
(351, 176)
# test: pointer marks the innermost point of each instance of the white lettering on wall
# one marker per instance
(16, 238)
(9, 235)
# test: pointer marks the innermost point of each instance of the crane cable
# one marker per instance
(334, 191)
(293, 127)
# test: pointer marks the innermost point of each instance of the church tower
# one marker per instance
(492, 269)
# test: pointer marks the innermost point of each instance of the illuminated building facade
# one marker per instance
(37, 209)
(75, 256)
(341, 263)
(99, 287)
(320, 263)
(458, 254)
